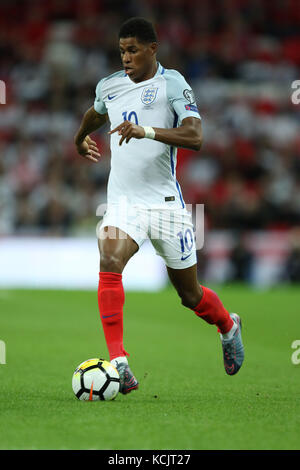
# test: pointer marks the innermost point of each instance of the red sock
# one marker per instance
(211, 309)
(111, 299)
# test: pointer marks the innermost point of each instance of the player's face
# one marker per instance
(138, 59)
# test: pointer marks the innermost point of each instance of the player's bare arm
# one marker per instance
(86, 147)
(188, 135)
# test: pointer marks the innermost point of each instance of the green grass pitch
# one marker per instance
(185, 400)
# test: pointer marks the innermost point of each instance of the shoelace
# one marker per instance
(123, 373)
(122, 370)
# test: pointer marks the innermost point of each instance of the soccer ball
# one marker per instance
(96, 379)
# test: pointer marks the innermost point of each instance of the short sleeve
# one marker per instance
(180, 95)
(99, 104)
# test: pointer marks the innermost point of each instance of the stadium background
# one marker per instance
(240, 57)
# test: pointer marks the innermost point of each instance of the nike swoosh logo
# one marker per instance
(111, 97)
(185, 257)
(107, 316)
(91, 392)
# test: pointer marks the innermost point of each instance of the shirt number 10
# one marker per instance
(130, 115)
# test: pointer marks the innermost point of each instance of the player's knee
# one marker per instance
(111, 263)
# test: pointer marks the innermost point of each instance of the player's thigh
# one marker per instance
(116, 248)
(177, 248)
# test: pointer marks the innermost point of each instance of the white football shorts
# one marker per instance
(170, 231)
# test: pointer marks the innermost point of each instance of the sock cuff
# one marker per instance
(110, 277)
(199, 307)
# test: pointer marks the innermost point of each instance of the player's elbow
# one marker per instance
(199, 144)
(196, 142)
(193, 133)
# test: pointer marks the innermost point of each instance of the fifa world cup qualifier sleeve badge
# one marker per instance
(189, 96)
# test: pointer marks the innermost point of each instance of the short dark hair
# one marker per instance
(139, 28)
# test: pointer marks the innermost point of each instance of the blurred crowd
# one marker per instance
(240, 57)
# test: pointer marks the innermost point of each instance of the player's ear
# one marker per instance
(153, 47)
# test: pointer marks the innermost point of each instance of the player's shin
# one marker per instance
(111, 299)
(211, 309)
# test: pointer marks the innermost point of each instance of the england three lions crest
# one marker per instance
(149, 95)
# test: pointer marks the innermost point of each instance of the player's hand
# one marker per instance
(128, 130)
(88, 149)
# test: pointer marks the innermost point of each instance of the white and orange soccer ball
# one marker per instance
(96, 379)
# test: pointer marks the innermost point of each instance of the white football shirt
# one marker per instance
(144, 170)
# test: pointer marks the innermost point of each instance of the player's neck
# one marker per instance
(150, 74)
